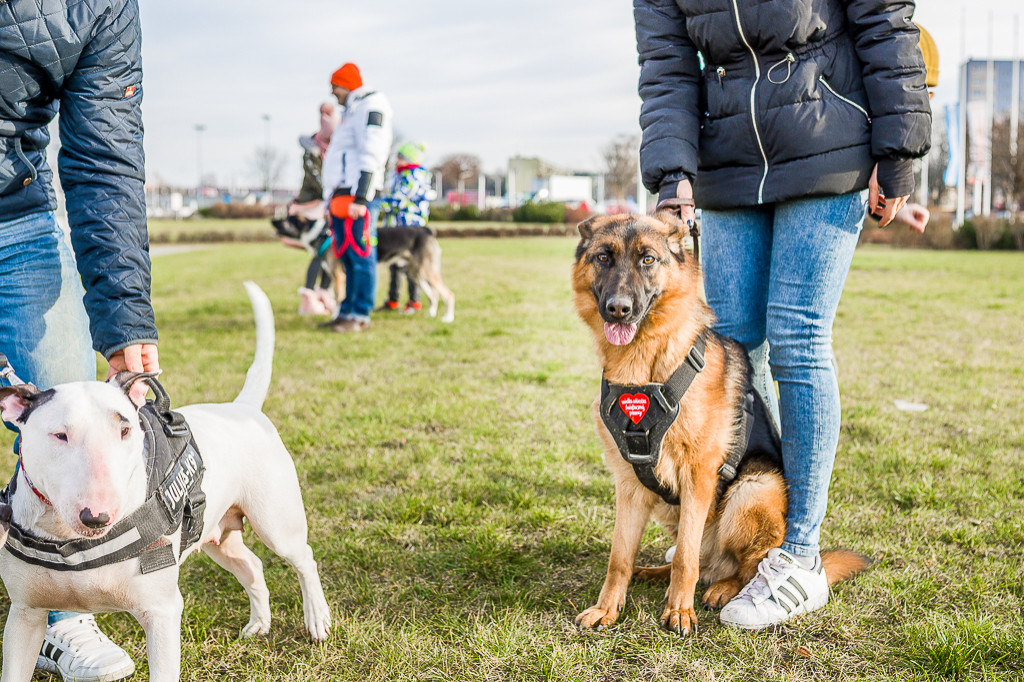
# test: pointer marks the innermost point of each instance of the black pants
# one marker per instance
(316, 266)
(396, 273)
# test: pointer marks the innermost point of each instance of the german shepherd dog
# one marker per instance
(414, 247)
(636, 288)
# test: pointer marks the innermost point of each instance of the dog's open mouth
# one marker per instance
(618, 333)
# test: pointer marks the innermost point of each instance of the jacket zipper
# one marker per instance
(848, 101)
(753, 98)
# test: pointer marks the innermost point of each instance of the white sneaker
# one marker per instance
(75, 649)
(781, 590)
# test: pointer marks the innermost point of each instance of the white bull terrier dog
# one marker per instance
(87, 449)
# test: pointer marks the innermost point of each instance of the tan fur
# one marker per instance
(719, 541)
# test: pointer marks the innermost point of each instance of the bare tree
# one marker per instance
(1007, 169)
(267, 165)
(621, 161)
(459, 170)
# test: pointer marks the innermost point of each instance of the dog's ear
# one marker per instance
(15, 401)
(125, 380)
(586, 228)
(674, 230)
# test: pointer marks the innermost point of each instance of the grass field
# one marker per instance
(461, 513)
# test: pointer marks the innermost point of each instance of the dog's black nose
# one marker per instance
(99, 521)
(618, 307)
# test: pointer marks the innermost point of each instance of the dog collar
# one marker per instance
(31, 486)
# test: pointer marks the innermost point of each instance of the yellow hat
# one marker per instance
(931, 57)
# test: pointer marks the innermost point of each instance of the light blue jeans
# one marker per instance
(44, 329)
(773, 276)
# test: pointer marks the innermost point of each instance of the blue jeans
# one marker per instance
(361, 272)
(773, 275)
(44, 329)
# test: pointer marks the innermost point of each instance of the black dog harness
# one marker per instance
(638, 417)
(174, 472)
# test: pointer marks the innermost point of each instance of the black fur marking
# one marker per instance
(32, 402)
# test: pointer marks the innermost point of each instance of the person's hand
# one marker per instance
(914, 216)
(686, 210)
(356, 211)
(140, 357)
(880, 207)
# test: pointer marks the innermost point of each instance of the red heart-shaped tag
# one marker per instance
(635, 405)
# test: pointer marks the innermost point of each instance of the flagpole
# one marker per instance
(990, 95)
(1015, 104)
(961, 185)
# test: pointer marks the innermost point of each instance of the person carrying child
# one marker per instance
(407, 205)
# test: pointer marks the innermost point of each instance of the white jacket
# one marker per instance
(360, 146)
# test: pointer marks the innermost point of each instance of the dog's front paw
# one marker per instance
(318, 623)
(256, 626)
(680, 621)
(596, 618)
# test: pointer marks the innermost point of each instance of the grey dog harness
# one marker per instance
(174, 472)
(639, 416)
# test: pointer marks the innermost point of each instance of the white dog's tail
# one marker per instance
(257, 379)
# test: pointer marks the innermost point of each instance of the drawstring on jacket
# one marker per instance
(33, 173)
(788, 60)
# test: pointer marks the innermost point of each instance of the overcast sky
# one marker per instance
(548, 78)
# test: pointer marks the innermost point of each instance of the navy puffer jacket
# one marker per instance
(82, 57)
(788, 98)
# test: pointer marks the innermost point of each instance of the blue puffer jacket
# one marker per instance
(82, 57)
(760, 102)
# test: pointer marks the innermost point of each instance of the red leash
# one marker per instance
(339, 212)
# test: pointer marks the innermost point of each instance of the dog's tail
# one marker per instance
(842, 564)
(257, 379)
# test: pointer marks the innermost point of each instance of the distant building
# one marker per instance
(976, 72)
(534, 178)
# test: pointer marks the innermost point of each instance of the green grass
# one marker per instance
(461, 513)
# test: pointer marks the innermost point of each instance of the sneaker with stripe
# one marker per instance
(75, 649)
(782, 589)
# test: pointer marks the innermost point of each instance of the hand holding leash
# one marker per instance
(881, 208)
(139, 357)
(683, 206)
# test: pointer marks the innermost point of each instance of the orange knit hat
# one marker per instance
(347, 77)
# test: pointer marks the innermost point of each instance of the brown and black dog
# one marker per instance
(637, 288)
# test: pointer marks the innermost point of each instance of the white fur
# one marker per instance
(248, 472)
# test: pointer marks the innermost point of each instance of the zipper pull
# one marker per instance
(721, 72)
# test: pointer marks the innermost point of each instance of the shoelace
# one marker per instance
(80, 629)
(768, 575)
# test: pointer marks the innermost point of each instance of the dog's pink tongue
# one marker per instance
(619, 334)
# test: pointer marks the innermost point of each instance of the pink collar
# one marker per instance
(29, 481)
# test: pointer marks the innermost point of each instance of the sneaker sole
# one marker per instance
(802, 610)
(126, 670)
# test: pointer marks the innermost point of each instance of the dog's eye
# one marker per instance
(648, 260)
(124, 432)
(63, 437)
(602, 258)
